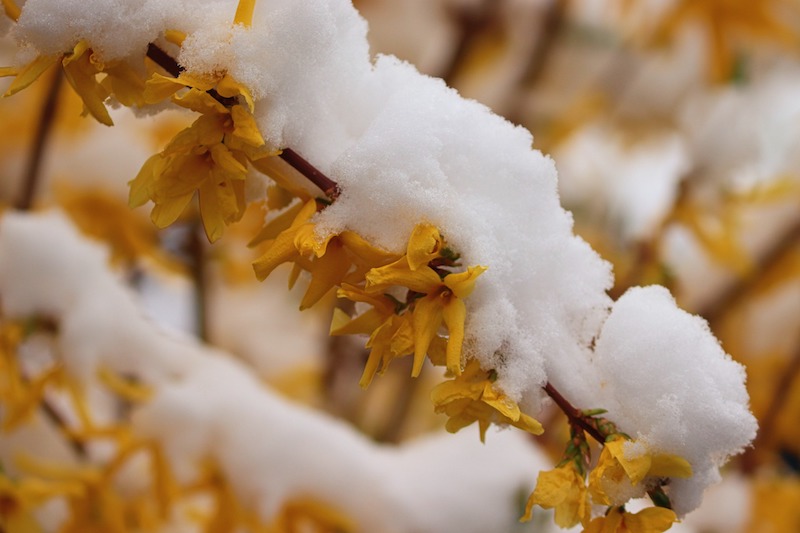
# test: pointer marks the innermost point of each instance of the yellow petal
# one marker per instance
(667, 465)
(423, 280)
(175, 37)
(200, 101)
(365, 323)
(562, 488)
(649, 520)
(227, 162)
(125, 84)
(326, 272)
(276, 225)
(280, 251)
(245, 128)
(220, 205)
(30, 73)
(12, 9)
(423, 245)
(365, 252)
(427, 319)
(244, 12)
(637, 468)
(144, 181)
(160, 87)
(463, 283)
(230, 88)
(168, 211)
(81, 75)
(454, 314)
(452, 390)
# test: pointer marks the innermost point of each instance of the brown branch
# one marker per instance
(575, 416)
(46, 119)
(768, 422)
(196, 249)
(730, 297)
(296, 161)
(164, 60)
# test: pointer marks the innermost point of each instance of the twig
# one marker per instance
(327, 185)
(43, 130)
(575, 416)
(197, 259)
(770, 418)
(733, 294)
(473, 22)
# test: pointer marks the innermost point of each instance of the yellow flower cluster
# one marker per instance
(209, 157)
(565, 489)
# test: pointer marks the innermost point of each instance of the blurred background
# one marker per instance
(675, 128)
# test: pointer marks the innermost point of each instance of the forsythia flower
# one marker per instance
(614, 469)
(650, 520)
(329, 260)
(563, 488)
(442, 297)
(81, 67)
(472, 397)
(209, 157)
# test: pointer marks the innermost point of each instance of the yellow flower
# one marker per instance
(443, 301)
(330, 261)
(472, 397)
(81, 67)
(208, 158)
(564, 489)
(614, 468)
(650, 520)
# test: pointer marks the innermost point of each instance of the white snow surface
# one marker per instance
(406, 149)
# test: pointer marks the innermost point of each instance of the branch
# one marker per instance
(43, 130)
(575, 415)
(733, 294)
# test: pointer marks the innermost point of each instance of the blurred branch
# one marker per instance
(472, 22)
(196, 250)
(749, 460)
(32, 175)
(733, 294)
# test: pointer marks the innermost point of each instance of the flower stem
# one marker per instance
(33, 171)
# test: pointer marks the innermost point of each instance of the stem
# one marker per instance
(730, 297)
(770, 418)
(473, 22)
(197, 258)
(164, 60)
(574, 414)
(327, 185)
(44, 128)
